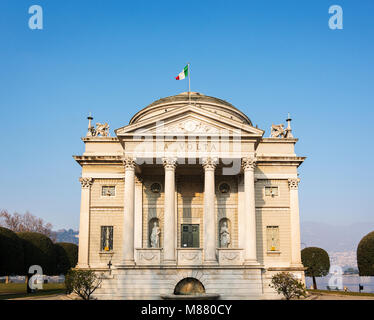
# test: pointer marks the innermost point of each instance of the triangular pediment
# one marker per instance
(188, 120)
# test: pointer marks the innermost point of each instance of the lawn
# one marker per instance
(348, 293)
(18, 290)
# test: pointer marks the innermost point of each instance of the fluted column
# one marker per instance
(128, 213)
(84, 223)
(209, 165)
(250, 255)
(295, 222)
(138, 214)
(169, 210)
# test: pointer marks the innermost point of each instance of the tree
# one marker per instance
(82, 282)
(285, 283)
(26, 223)
(66, 255)
(11, 253)
(365, 255)
(317, 262)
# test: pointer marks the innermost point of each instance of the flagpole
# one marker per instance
(189, 84)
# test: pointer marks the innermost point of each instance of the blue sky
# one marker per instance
(114, 57)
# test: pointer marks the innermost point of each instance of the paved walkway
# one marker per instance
(327, 296)
(60, 296)
(319, 296)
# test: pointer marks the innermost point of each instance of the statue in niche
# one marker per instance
(155, 236)
(224, 235)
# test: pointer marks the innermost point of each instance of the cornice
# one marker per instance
(279, 159)
(99, 159)
(100, 139)
(279, 140)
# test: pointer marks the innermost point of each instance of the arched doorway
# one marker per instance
(189, 286)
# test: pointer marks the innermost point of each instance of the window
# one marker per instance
(106, 238)
(108, 191)
(271, 191)
(272, 233)
(156, 187)
(190, 236)
(224, 188)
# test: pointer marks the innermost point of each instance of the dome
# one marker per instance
(212, 104)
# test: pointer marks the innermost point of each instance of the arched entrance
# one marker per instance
(189, 286)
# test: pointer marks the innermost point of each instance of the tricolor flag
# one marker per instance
(183, 74)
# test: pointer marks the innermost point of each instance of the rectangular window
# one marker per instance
(108, 191)
(272, 233)
(271, 191)
(106, 238)
(190, 237)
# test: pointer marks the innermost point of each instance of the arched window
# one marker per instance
(189, 286)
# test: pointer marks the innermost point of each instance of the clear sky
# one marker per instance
(114, 57)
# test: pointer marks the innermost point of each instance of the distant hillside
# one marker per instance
(339, 241)
(67, 236)
(334, 238)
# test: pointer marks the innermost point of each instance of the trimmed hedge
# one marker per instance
(365, 255)
(67, 256)
(316, 260)
(11, 253)
(38, 250)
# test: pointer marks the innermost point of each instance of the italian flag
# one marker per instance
(183, 74)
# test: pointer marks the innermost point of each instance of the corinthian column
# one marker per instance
(209, 165)
(169, 210)
(128, 213)
(84, 224)
(250, 256)
(295, 222)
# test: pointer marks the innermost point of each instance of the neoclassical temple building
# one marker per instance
(189, 197)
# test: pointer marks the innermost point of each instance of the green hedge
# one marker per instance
(11, 253)
(38, 250)
(67, 256)
(316, 260)
(365, 255)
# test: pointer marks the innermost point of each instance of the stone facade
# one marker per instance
(189, 165)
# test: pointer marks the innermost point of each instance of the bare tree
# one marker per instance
(26, 222)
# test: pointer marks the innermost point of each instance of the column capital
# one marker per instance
(169, 163)
(293, 184)
(129, 163)
(210, 163)
(249, 163)
(86, 182)
(138, 180)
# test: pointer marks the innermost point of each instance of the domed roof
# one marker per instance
(212, 104)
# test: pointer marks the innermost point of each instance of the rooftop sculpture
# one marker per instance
(278, 131)
(102, 129)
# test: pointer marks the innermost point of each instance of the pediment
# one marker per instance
(189, 120)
